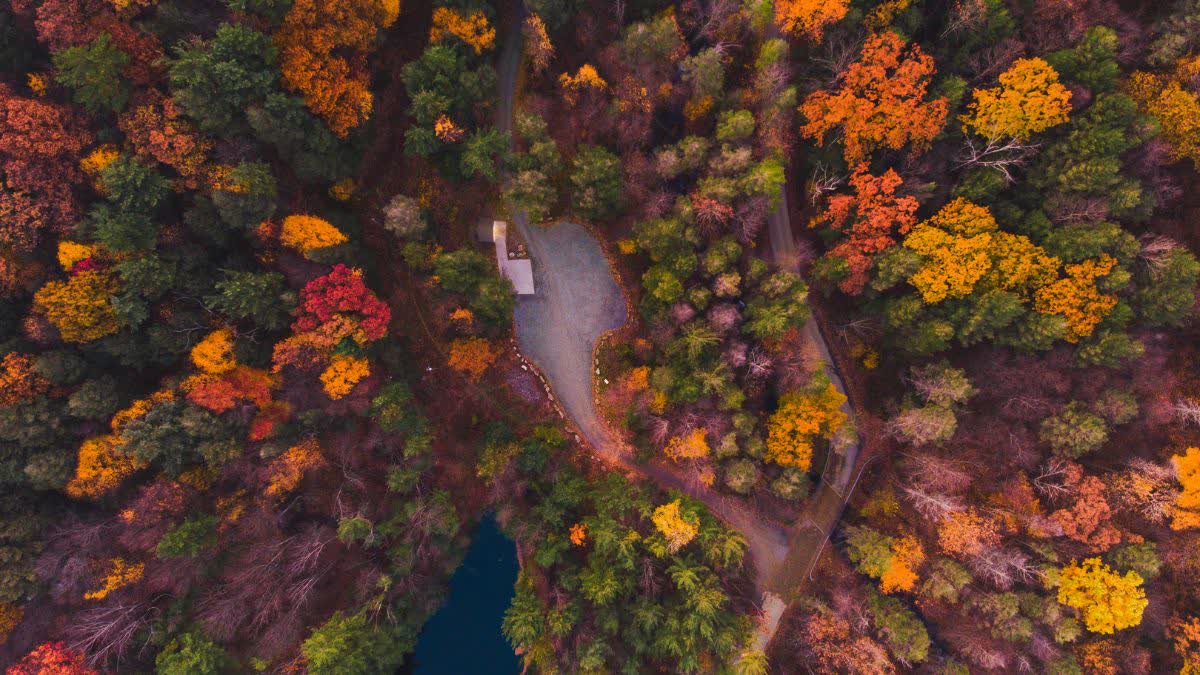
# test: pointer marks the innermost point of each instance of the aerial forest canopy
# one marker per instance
(777, 336)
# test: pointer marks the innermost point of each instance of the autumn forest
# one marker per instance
(774, 336)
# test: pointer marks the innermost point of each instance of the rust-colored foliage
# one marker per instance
(39, 154)
(869, 219)
(19, 382)
(222, 392)
(1089, 520)
(471, 357)
(966, 533)
(322, 56)
(880, 101)
(157, 129)
(836, 650)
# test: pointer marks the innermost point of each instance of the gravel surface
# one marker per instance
(576, 301)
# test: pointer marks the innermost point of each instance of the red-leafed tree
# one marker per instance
(51, 658)
(870, 219)
(39, 154)
(342, 293)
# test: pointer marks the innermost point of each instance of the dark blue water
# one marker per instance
(464, 636)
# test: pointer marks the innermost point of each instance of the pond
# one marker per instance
(464, 635)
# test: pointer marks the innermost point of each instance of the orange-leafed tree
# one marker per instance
(964, 534)
(1185, 512)
(121, 573)
(880, 101)
(309, 233)
(1028, 101)
(322, 56)
(101, 468)
(901, 573)
(1089, 520)
(1077, 298)
(81, 307)
(587, 78)
(287, 470)
(836, 649)
(1177, 109)
(691, 445)
(537, 43)
(19, 381)
(808, 18)
(214, 354)
(471, 357)
(869, 220)
(343, 372)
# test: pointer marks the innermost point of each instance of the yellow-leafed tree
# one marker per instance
(1107, 600)
(677, 529)
(800, 418)
(1029, 100)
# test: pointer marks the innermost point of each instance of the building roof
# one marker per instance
(518, 271)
